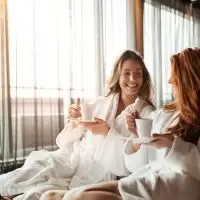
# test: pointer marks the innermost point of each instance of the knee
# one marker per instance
(52, 195)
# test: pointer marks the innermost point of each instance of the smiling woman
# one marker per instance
(174, 172)
(102, 142)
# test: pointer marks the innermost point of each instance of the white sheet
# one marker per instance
(83, 158)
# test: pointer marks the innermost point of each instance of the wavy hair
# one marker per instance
(185, 76)
(113, 83)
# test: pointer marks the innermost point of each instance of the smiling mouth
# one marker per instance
(131, 86)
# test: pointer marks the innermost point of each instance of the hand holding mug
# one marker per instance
(162, 141)
(99, 127)
(130, 122)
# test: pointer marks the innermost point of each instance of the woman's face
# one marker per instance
(131, 78)
(174, 90)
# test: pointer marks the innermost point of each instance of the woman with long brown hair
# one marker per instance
(176, 172)
(89, 152)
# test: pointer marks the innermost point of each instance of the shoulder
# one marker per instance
(147, 111)
(162, 114)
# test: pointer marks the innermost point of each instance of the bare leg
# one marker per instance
(103, 191)
(53, 195)
(97, 195)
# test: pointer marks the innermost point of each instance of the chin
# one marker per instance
(131, 93)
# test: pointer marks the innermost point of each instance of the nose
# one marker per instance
(170, 81)
(131, 77)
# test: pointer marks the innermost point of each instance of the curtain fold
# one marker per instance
(169, 27)
(139, 35)
(6, 142)
(195, 12)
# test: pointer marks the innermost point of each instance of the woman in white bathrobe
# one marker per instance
(175, 172)
(88, 152)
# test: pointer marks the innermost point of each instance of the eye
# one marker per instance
(126, 73)
(139, 74)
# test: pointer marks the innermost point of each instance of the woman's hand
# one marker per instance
(131, 126)
(162, 141)
(130, 122)
(74, 110)
(99, 127)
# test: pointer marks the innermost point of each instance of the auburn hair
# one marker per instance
(185, 76)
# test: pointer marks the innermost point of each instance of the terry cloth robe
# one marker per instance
(110, 162)
(175, 173)
(83, 158)
(171, 173)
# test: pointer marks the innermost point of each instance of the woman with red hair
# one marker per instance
(175, 172)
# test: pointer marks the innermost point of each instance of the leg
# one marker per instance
(97, 195)
(53, 195)
(111, 186)
(102, 191)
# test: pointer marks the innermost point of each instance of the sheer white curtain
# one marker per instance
(60, 50)
(168, 28)
(5, 107)
(65, 44)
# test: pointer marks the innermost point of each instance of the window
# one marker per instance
(64, 45)
(166, 31)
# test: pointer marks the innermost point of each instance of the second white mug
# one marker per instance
(143, 127)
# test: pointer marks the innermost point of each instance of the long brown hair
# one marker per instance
(185, 75)
(113, 83)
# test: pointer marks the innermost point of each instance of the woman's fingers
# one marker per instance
(136, 115)
(162, 140)
(164, 136)
(130, 118)
(74, 113)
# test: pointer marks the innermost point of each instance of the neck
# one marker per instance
(127, 100)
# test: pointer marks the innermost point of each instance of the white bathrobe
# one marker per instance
(175, 173)
(171, 173)
(83, 158)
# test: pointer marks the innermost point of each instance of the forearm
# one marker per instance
(135, 156)
(68, 135)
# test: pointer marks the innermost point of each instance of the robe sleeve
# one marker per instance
(72, 133)
(185, 156)
(147, 112)
(111, 154)
(135, 160)
(69, 135)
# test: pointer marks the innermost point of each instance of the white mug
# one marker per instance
(87, 111)
(143, 127)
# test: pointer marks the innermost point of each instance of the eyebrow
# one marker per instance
(138, 69)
